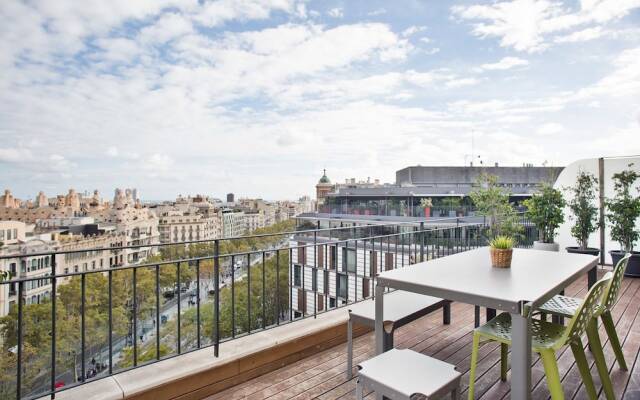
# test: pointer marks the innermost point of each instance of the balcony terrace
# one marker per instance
(215, 344)
(322, 375)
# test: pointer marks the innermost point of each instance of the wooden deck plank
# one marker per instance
(322, 376)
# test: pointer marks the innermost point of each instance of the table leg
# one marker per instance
(592, 276)
(520, 358)
(491, 314)
(379, 328)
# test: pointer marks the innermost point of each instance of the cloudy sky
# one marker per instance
(257, 97)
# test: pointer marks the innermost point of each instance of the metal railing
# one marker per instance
(192, 295)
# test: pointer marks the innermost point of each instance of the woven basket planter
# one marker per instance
(501, 258)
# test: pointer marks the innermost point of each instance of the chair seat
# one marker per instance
(563, 306)
(407, 373)
(543, 334)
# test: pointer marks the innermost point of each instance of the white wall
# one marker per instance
(567, 178)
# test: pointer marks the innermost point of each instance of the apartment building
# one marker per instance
(177, 226)
(15, 242)
(325, 276)
(233, 223)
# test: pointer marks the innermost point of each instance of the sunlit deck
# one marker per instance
(323, 375)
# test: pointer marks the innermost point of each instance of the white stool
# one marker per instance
(400, 308)
(401, 374)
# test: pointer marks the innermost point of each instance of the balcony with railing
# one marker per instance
(256, 316)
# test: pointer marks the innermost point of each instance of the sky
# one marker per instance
(258, 97)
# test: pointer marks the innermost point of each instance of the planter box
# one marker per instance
(633, 267)
(592, 251)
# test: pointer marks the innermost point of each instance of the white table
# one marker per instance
(534, 277)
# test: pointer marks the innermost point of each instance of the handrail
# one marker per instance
(262, 235)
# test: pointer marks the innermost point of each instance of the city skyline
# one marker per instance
(183, 97)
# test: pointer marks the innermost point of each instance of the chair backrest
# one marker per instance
(586, 311)
(611, 292)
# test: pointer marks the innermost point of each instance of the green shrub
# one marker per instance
(502, 242)
(545, 210)
(624, 209)
(584, 212)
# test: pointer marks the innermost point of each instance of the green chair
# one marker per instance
(546, 338)
(564, 306)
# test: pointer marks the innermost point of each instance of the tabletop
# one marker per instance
(468, 277)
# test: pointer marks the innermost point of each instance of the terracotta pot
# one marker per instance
(501, 258)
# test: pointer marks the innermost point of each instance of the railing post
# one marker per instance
(421, 241)
(277, 286)
(216, 284)
(197, 303)
(19, 339)
(53, 325)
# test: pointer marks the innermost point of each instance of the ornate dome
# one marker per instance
(324, 178)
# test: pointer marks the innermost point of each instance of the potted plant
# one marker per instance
(426, 204)
(501, 250)
(584, 212)
(492, 202)
(545, 210)
(623, 212)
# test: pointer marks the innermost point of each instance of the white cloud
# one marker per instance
(461, 82)
(112, 151)
(336, 12)
(582, 35)
(412, 30)
(550, 129)
(166, 28)
(15, 155)
(214, 13)
(378, 11)
(525, 24)
(504, 64)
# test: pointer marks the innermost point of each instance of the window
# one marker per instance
(348, 260)
(297, 275)
(66, 270)
(332, 302)
(15, 233)
(302, 254)
(341, 282)
(93, 265)
(75, 268)
(1, 234)
(320, 302)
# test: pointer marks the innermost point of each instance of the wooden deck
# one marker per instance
(322, 376)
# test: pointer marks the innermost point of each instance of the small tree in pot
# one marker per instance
(492, 202)
(584, 212)
(545, 210)
(623, 211)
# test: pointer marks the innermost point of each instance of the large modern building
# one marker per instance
(426, 192)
